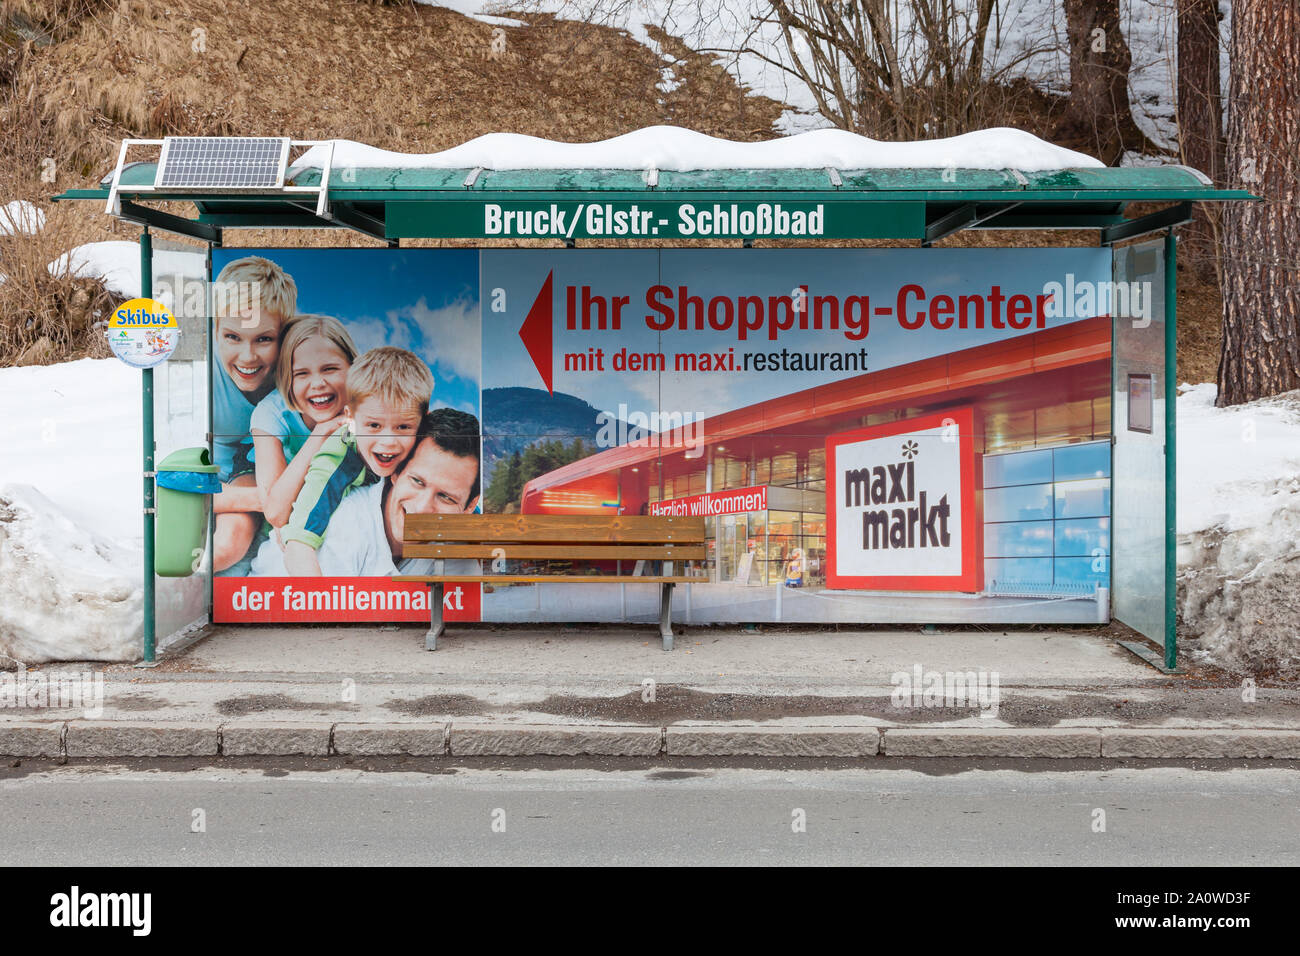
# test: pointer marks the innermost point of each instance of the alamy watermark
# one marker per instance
(640, 429)
(1084, 299)
(968, 690)
(193, 298)
(56, 690)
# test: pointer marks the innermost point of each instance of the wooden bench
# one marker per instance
(548, 538)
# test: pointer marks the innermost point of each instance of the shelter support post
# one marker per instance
(1171, 473)
(146, 397)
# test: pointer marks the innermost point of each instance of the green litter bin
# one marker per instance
(186, 478)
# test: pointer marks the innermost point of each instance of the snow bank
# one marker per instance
(1236, 466)
(21, 216)
(118, 263)
(1239, 531)
(674, 149)
(65, 591)
(76, 435)
(77, 438)
(70, 552)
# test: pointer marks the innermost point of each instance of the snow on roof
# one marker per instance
(673, 149)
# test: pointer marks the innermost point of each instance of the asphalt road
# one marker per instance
(89, 815)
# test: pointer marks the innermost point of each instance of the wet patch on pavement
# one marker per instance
(261, 703)
(673, 704)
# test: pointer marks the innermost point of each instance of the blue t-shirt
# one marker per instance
(276, 418)
(232, 446)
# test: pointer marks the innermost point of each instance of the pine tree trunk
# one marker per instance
(1200, 118)
(1261, 269)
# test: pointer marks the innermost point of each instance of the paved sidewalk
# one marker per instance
(587, 691)
(773, 661)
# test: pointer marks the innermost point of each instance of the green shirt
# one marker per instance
(335, 470)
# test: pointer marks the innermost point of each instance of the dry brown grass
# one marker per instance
(45, 315)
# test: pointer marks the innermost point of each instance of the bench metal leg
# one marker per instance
(436, 627)
(666, 615)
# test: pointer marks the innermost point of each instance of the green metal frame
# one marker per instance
(1171, 450)
(146, 399)
(926, 205)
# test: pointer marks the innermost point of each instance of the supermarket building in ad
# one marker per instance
(1041, 406)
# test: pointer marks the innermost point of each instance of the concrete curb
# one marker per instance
(270, 739)
(121, 739)
(696, 741)
(1156, 743)
(141, 739)
(990, 742)
(554, 740)
(379, 740)
(30, 738)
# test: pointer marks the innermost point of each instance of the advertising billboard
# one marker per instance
(871, 435)
(345, 395)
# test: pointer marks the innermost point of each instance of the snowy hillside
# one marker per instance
(1028, 40)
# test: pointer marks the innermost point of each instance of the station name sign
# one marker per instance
(651, 219)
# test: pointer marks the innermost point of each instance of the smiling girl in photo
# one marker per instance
(307, 406)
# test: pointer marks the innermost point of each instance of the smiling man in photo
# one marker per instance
(441, 476)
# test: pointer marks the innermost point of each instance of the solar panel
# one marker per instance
(222, 162)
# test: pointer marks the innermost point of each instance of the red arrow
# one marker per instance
(536, 332)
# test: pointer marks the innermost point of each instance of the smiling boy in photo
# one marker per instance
(388, 393)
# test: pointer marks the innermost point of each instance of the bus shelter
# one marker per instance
(904, 431)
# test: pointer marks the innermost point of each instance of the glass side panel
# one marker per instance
(1138, 576)
(1089, 498)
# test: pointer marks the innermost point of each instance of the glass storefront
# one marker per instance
(1047, 514)
(756, 548)
(1047, 519)
(1046, 496)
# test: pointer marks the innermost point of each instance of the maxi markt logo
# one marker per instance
(884, 528)
(900, 505)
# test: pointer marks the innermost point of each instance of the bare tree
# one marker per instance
(1200, 119)
(1261, 268)
(897, 70)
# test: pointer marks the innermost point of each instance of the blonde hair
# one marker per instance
(299, 330)
(254, 283)
(396, 376)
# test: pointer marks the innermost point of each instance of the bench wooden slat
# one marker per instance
(551, 579)
(555, 529)
(559, 552)
(554, 537)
